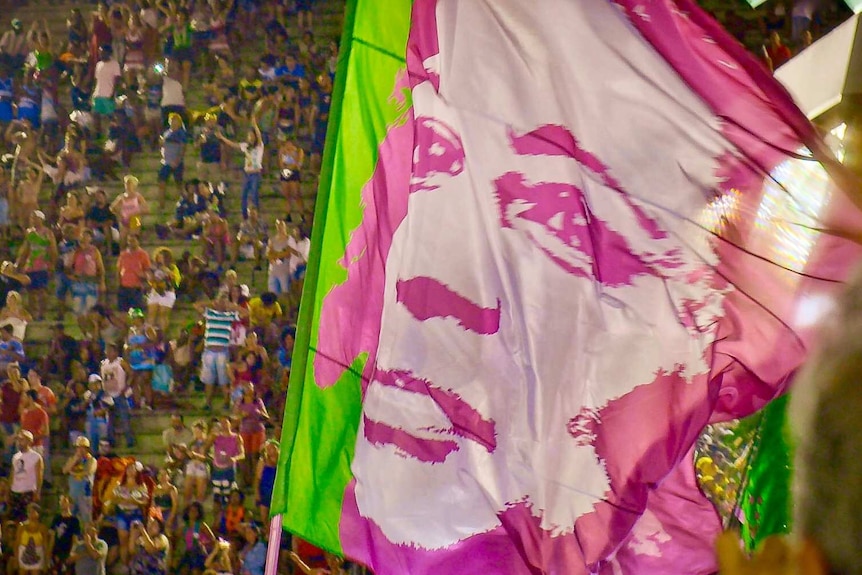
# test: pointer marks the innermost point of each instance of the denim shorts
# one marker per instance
(214, 367)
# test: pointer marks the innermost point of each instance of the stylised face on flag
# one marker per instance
(546, 284)
(508, 224)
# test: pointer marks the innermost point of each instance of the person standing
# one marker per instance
(32, 543)
(99, 406)
(253, 150)
(87, 275)
(10, 402)
(209, 164)
(106, 75)
(90, 554)
(149, 547)
(35, 420)
(81, 469)
(65, 528)
(227, 451)
(279, 251)
(37, 256)
(177, 434)
(133, 265)
(27, 470)
(219, 316)
(114, 370)
(174, 141)
(253, 555)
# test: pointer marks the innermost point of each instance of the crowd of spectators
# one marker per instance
(779, 29)
(75, 114)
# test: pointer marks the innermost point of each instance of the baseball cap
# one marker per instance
(26, 434)
(94, 377)
(39, 214)
(16, 23)
(82, 441)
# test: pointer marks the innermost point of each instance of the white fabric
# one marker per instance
(106, 78)
(113, 377)
(167, 299)
(24, 479)
(172, 93)
(302, 246)
(494, 56)
(253, 157)
(19, 326)
(150, 17)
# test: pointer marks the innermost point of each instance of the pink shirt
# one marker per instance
(225, 447)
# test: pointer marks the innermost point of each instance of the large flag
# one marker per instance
(554, 241)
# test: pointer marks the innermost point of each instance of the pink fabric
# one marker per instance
(651, 519)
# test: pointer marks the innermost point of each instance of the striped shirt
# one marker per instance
(218, 327)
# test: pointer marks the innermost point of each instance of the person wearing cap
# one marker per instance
(27, 470)
(81, 468)
(99, 406)
(36, 257)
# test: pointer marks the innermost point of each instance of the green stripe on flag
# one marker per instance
(320, 426)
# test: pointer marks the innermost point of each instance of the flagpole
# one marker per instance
(273, 545)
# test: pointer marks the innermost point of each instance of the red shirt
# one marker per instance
(133, 266)
(779, 55)
(11, 400)
(35, 420)
(47, 399)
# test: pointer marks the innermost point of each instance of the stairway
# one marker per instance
(148, 425)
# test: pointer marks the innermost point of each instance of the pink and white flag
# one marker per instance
(598, 229)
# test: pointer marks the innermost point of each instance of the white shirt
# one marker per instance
(24, 471)
(113, 377)
(106, 78)
(302, 246)
(172, 93)
(150, 17)
(253, 157)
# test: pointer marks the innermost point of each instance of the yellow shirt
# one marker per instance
(260, 315)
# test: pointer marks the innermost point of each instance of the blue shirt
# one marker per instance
(255, 560)
(172, 149)
(13, 346)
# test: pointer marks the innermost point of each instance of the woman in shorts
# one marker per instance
(227, 451)
(183, 53)
(128, 500)
(163, 288)
(197, 469)
(290, 160)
